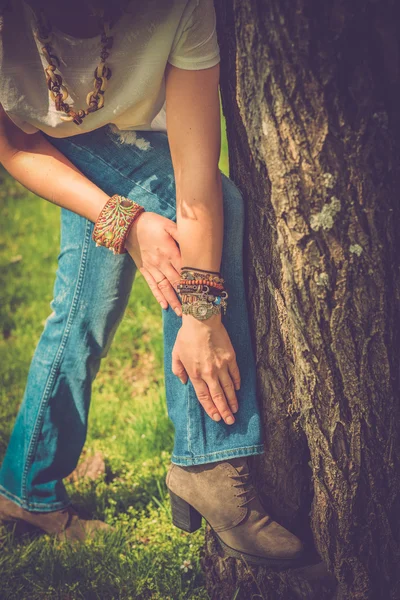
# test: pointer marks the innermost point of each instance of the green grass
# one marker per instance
(144, 556)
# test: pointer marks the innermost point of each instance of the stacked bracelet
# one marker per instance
(202, 292)
(114, 223)
(188, 273)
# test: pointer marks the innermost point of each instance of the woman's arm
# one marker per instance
(203, 350)
(41, 168)
(194, 133)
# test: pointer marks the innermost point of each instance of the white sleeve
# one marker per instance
(195, 45)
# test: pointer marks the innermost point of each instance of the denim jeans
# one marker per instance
(91, 293)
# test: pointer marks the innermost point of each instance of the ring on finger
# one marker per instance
(157, 282)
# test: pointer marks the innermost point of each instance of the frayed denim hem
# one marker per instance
(190, 461)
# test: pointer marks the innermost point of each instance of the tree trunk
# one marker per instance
(311, 96)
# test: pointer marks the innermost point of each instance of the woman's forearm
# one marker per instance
(200, 219)
(194, 134)
(42, 169)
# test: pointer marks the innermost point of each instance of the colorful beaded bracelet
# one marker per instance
(114, 223)
(194, 275)
(202, 293)
(197, 282)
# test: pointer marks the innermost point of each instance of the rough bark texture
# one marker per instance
(311, 93)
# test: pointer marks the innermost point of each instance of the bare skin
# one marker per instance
(203, 351)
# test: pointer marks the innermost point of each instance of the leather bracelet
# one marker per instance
(201, 270)
(184, 288)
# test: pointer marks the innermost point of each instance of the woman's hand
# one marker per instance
(152, 245)
(204, 352)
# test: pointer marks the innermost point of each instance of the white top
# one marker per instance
(150, 34)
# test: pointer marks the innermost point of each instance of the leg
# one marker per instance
(91, 292)
(198, 439)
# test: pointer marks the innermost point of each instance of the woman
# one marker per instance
(74, 141)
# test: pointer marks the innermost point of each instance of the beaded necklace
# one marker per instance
(57, 89)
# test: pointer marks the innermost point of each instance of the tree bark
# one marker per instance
(311, 92)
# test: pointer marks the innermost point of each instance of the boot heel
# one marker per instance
(184, 515)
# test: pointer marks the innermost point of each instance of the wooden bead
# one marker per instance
(58, 92)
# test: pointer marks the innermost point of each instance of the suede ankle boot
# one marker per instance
(222, 493)
(65, 524)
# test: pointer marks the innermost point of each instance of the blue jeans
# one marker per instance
(91, 293)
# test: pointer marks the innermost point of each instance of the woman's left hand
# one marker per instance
(203, 351)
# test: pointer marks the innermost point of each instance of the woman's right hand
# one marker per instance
(152, 243)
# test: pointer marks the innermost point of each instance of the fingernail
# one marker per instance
(163, 305)
(178, 311)
(235, 409)
(183, 381)
(230, 420)
(216, 417)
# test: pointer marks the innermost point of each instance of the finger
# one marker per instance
(175, 260)
(157, 293)
(174, 253)
(203, 396)
(178, 369)
(173, 276)
(172, 229)
(219, 399)
(228, 388)
(234, 373)
(169, 293)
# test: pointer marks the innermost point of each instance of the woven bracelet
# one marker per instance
(114, 223)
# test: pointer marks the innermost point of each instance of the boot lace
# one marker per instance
(70, 511)
(248, 493)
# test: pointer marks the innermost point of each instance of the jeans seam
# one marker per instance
(188, 422)
(247, 448)
(55, 505)
(55, 365)
(119, 173)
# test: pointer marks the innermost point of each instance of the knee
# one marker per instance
(81, 333)
(97, 333)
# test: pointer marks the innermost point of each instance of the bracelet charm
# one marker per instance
(201, 310)
(202, 292)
